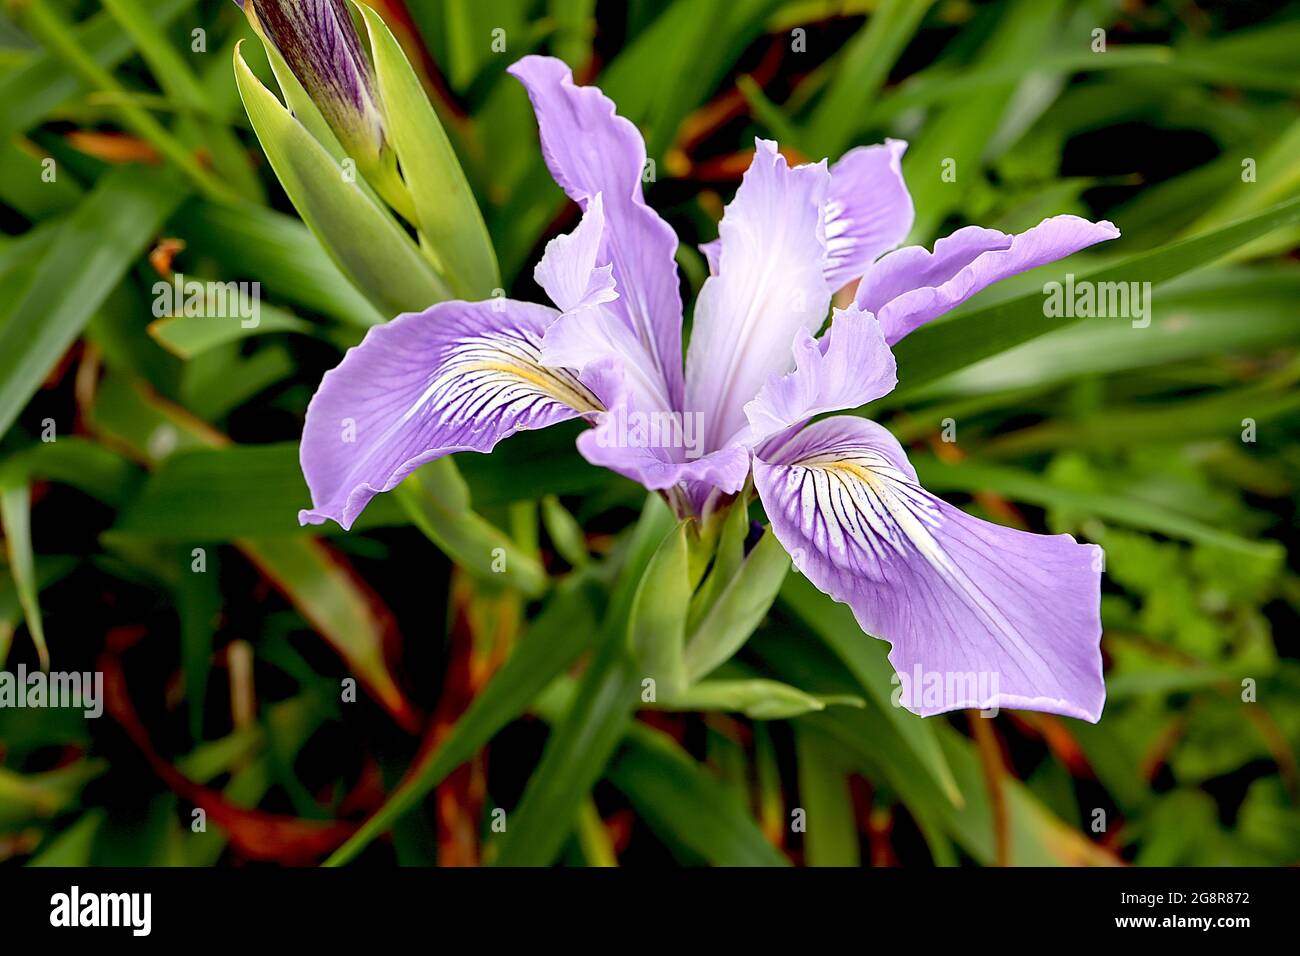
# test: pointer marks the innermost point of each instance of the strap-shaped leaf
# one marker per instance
(560, 633)
(656, 628)
(865, 659)
(15, 521)
(597, 714)
(91, 253)
(686, 805)
(437, 499)
(739, 609)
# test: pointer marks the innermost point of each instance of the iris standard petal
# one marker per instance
(910, 286)
(590, 149)
(847, 367)
(460, 376)
(868, 211)
(978, 615)
(769, 285)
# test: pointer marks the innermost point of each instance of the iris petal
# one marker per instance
(868, 211)
(910, 286)
(568, 272)
(460, 376)
(591, 150)
(847, 367)
(769, 285)
(995, 617)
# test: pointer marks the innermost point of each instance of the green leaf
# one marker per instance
(768, 113)
(566, 627)
(585, 736)
(218, 381)
(1149, 423)
(247, 490)
(58, 37)
(277, 250)
(186, 336)
(865, 658)
(199, 602)
(27, 190)
(1262, 57)
(656, 626)
(756, 698)
(437, 499)
(539, 462)
(78, 463)
(463, 29)
(727, 558)
(593, 836)
(861, 70)
(1281, 181)
(832, 835)
(971, 476)
(48, 570)
(576, 754)
(653, 525)
(739, 609)
(27, 797)
(91, 255)
(961, 132)
(449, 218)
(1210, 313)
(1037, 837)
(72, 847)
(366, 242)
(182, 85)
(685, 805)
(575, 25)
(324, 593)
(15, 520)
(946, 83)
(566, 534)
(689, 47)
(870, 748)
(28, 92)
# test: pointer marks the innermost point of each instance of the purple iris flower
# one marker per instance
(952, 594)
